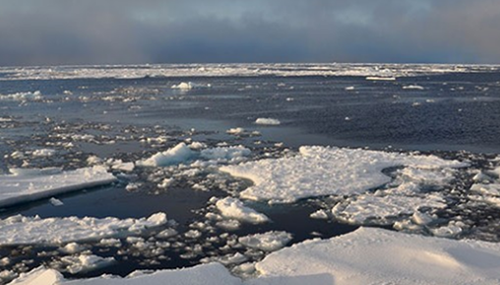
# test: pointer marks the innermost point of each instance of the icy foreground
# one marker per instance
(366, 256)
(319, 171)
(17, 230)
(25, 185)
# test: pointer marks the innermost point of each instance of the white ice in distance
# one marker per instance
(267, 121)
(25, 185)
(17, 229)
(183, 86)
(319, 171)
(235, 209)
(22, 96)
(413, 87)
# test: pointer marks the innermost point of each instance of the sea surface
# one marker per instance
(453, 113)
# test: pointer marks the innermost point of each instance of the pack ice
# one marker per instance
(24, 185)
(319, 171)
(366, 256)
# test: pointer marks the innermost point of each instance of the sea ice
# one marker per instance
(25, 185)
(235, 209)
(267, 121)
(378, 256)
(183, 86)
(319, 171)
(269, 241)
(17, 229)
(84, 263)
(22, 96)
(413, 87)
(177, 154)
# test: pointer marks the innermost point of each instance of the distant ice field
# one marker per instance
(238, 161)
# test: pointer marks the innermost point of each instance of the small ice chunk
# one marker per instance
(177, 154)
(236, 131)
(319, 214)
(183, 86)
(269, 241)
(55, 202)
(235, 209)
(225, 153)
(349, 88)
(413, 87)
(44, 152)
(85, 263)
(267, 121)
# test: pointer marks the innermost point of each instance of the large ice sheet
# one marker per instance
(318, 171)
(377, 256)
(17, 230)
(24, 185)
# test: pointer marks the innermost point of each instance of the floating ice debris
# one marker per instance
(123, 166)
(349, 88)
(53, 231)
(55, 202)
(267, 121)
(413, 87)
(84, 263)
(235, 209)
(270, 241)
(378, 256)
(380, 78)
(319, 171)
(236, 131)
(183, 86)
(22, 96)
(25, 185)
(225, 153)
(45, 152)
(177, 154)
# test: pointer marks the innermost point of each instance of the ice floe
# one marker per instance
(22, 96)
(269, 241)
(233, 208)
(319, 171)
(413, 87)
(17, 229)
(267, 121)
(377, 256)
(24, 185)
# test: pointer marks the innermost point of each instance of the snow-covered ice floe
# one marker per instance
(24, 185)
(235, 209)
(320, 171)
(366, 256)
(267, 121)
(181, 153)
(22, 96)
(17, 229)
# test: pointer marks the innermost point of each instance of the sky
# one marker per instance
(66, 32)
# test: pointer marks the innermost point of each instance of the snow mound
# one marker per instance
(377, 256)
(25, 185)
(234, 209)
(17, 229)
(267, 121)
(319, 171)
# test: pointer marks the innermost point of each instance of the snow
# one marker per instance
(377, 256)
(267, 121)
(319, 171)
(17, 229)
(235, 209)
(269, 241)
(25, 185)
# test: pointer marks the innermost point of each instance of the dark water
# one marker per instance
(451, 113)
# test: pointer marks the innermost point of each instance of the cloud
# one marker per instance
(124, 31)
